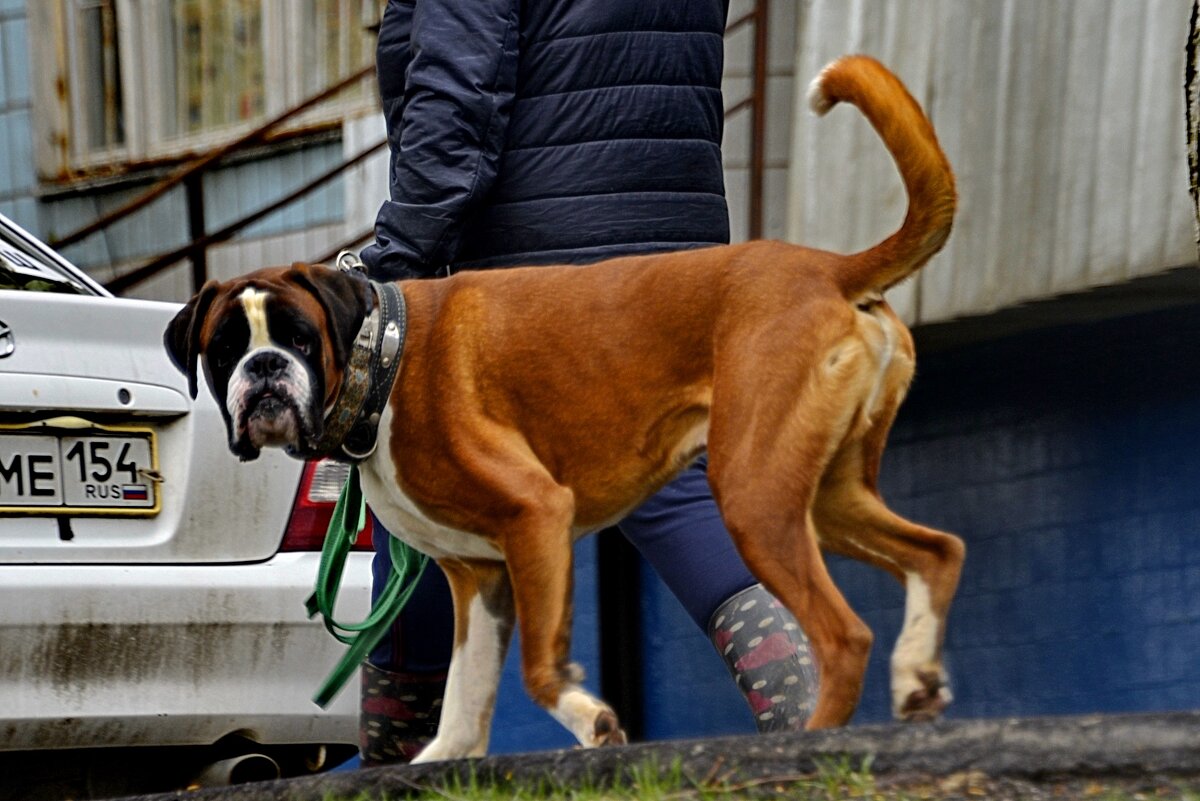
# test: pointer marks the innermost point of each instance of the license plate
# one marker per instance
(94, 472)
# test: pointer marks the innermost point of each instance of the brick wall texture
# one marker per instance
(1069, 461)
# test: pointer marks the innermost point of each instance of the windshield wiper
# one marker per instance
(26, 279)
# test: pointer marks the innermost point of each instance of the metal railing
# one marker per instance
(191, 175)
(756, 102)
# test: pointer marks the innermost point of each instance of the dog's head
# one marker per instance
(274, 346)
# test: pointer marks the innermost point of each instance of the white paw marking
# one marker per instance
(916, 648)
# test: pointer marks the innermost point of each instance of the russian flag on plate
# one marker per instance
(134, 492)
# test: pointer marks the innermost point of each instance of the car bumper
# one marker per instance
(131, 655)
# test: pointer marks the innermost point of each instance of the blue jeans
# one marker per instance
(678, 531)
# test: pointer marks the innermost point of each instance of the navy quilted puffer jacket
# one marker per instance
(544, 131)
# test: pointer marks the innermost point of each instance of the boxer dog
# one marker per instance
(534, 405)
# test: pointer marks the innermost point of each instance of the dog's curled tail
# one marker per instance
(908, 135)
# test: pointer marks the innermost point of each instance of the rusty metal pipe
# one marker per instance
(758, 123)
(237, 770)
(205, 161)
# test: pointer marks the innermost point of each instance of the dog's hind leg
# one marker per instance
(852, 520)
(764, 480)
(483, 621)
(780, 549)
(773, 436)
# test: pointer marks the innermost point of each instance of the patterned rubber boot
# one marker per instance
(400, 713)
(768, 656)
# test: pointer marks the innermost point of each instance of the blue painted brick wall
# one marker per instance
(1069, 461)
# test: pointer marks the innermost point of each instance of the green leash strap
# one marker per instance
(407, 566)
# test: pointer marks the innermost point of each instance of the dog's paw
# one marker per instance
(608, 731)
(923, 697)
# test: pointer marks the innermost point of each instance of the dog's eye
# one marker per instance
(302, 342)
(224, 353)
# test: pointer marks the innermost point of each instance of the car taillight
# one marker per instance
(319, 488)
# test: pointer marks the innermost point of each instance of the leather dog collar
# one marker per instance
(351, 426)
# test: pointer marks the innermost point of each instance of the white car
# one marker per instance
(152, 587)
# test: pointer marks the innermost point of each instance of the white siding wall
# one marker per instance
(366, 185)
(736, 85)
(1063, 121)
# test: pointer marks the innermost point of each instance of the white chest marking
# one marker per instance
(404, 519)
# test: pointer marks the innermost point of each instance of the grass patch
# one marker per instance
(648, 781)
(836, 779)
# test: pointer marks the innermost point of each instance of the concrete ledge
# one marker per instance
(1143, 745)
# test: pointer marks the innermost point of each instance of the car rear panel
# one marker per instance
(177, 627)
(126, 655)
(100, 360)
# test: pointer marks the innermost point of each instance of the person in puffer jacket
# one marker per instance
(527, 132)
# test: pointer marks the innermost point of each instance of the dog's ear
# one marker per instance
(346, 299)
(182, 337)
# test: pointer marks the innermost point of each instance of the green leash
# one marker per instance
(407, 566)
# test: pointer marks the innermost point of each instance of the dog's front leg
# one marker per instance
(541, 573)
(483, 622)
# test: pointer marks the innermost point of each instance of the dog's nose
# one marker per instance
(266, 364)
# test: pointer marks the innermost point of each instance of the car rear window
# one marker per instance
(26, 270)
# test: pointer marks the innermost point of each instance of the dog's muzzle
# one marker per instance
(268, 402)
